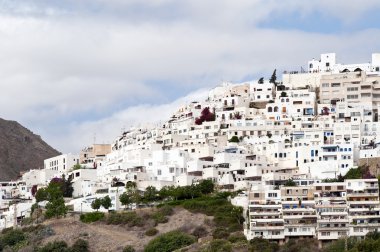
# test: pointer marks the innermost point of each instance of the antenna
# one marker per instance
(94, 138)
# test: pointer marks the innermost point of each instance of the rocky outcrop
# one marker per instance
(21, 150)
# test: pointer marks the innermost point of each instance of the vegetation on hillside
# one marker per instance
(169, 242)
(54, 193)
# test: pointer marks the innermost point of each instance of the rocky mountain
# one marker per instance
(21, 150)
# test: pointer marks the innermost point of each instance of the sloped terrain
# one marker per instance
(21, 150)
(102, 237)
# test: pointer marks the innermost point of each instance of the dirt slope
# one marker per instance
(103, 237)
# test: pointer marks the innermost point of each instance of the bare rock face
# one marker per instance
(21, 150)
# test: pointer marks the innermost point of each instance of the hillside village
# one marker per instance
(285, 143)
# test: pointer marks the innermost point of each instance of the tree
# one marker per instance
(206, 186)
(237, 212)
(290, 182)
(273, 78)
(96, 204)
(283, 94)
(150, 194)
(136, 198)
(56, 205)
(76, 167)
(206, 115)
(131, 185)
(67, 187)
(106, 202)
(325, 111)
(234, 139)
(164, 192)
(41, 195)
(125, 199)
(261, 80)
(237, 116)
(353, 173)
(194, 191)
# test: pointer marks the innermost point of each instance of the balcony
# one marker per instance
(322, 221)
(263, 228)
(300, 233)
(264, 213)
(362, 194)
(364, 202)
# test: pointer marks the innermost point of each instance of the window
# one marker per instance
(352, 89)
(325, 84)
(352, 96)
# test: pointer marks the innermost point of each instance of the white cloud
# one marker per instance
(68, 68)
(77, 135)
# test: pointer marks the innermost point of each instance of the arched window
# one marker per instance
(311, 65)
(270, 109)
(275, 109)
(287, 99)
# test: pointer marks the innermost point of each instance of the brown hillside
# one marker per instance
(102, 237)
(20, 150)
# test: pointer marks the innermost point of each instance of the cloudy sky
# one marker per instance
(73, 69)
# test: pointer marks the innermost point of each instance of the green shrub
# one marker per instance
(159, 217)
(129, 248)
(30, 229)
(6, 230)
(151, 232)
(199, 232)
(166, 210)
(80, 246)
(260, 244)
(138, 221)
(130, 218)
(56, 246)
(44, 232)
(220, 233)
(235, 227)
(91, 217)
(169, 242)
(12, 237)
(218, 246)
(234, 238)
